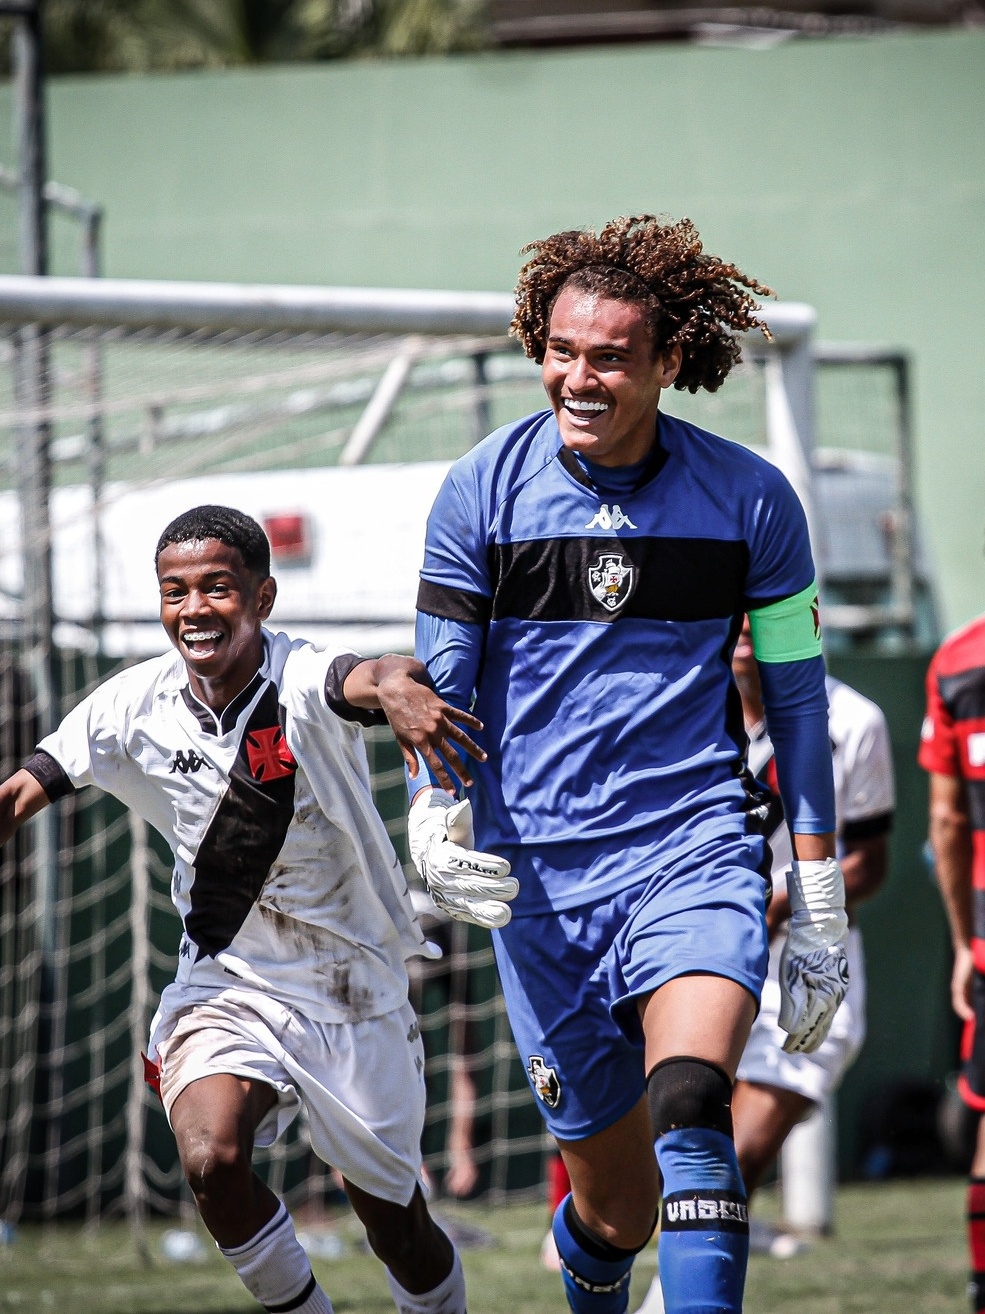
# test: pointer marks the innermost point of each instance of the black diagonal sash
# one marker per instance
(246, 833)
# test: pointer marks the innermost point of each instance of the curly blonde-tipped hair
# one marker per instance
(690, 298)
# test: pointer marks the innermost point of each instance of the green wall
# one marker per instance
(846, 173)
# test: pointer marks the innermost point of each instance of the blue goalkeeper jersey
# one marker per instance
(593, 624)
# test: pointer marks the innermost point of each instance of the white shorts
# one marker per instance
(815, 1075)
(362, 1083)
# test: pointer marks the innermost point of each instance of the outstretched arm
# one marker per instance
(421, 720)
(21, 797)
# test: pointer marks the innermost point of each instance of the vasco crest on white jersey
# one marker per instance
(611, 580)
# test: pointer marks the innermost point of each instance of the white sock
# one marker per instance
(448, 1297)
(274, 1268)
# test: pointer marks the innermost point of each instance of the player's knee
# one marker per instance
(213, 1165)
(394, 1247)
(590, 1254)
(405, 1238)
(689, 1092)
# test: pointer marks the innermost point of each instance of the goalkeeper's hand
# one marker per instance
(469, 886)
(813, 965)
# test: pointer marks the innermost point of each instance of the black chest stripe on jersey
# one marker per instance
(247, 831)
(673, 579)
(670, 578)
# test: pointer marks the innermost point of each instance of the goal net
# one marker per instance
(333, 429)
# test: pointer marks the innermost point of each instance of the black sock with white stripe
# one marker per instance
(274, 1268)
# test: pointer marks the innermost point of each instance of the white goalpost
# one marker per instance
(330, 415)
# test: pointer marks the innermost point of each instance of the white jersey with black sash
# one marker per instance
(284, 875)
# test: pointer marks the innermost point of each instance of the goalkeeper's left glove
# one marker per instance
(813, 965)
(467, 885)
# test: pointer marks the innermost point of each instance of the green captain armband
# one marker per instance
(789, 630)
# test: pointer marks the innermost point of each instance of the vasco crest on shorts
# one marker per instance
(545, 1082)
(610, 581)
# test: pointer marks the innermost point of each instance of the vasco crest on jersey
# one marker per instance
(545, 1082)
(611, 580)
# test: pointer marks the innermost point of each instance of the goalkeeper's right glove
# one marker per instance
(469, 886)
(813, 965)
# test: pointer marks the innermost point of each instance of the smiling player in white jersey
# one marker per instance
(244, 750)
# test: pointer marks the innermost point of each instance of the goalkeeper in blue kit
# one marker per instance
(586, 573)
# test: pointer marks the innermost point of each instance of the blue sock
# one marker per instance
(704, 1231)
(595, 1274)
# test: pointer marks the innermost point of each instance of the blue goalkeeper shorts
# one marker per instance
(571, 979)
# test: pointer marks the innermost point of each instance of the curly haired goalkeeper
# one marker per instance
(585, 577)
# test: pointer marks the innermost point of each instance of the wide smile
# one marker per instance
(582, 410)
(201, 643)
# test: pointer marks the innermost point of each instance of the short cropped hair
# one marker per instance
(226, 525)
(690, 299)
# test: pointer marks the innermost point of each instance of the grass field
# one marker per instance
(899, 1249)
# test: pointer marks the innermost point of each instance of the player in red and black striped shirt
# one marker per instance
(952, 749)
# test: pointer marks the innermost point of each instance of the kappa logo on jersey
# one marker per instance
(606, 519)
(190, 761)
(816, 615)
(610, 581)
(268, 754)
(545, 1081)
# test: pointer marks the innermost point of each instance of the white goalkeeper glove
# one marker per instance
(469, 886)
(813, 965)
